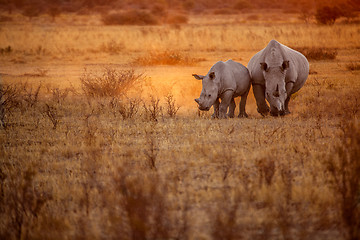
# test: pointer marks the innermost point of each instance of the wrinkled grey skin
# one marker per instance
(277, 72)
(225, 81)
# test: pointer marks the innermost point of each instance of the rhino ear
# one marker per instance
(198, 77)
(212, 75)
(264, 66)
(285, 65)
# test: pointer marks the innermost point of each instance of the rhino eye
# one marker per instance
(209, 95)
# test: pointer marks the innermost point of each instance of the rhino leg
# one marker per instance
(225, 102)
(216, 109)
(259, 93)
(242, 112)
(232, 107)
(289, 87)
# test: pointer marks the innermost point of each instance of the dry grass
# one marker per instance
(138, 167)
(166, 58)
(353, 66)
(318, 53)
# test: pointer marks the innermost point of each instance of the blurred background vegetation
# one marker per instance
(152, 12)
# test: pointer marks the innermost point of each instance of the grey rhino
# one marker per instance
(225, 81)
(276, 72)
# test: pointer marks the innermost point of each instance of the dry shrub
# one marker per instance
(223, 218)
(130, 17)
(52, 113)
(327, 15)
(21, 201)
(266, 168)
(313, 53)
(353, 66)
(177, 19)
(324, 103)
(243, 4)
(142, 200)
(127, 108)
(110, 83)
(171, 107)
(344, 168)
(166, 58)
(6, 50)
(153, 110)
(112, 47)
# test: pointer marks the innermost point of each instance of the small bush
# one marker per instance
(171, 107)
(153, 110)
(327, 15)
(177, 19)
(242, 4)
(131, 17)
(318, 53)
(111, 83)
(31, 11)
(6, 50)
(353, 66)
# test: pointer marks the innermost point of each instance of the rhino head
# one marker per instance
(209, 92)
(275, 91)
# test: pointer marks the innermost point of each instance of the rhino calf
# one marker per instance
(225, 81)
(277, 72)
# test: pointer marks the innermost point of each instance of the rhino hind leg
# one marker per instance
(242, 112)
(259, 93)
(232, 107)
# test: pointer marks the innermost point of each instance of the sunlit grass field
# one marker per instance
(148, 164)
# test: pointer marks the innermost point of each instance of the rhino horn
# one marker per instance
(276, 93)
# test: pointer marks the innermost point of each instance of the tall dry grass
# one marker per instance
(97, 174)
(70, 40)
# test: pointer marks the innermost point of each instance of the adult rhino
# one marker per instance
(277, 72)
(225, 81)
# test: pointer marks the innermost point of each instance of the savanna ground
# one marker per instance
(128, 163)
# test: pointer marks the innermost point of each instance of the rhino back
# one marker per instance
(238, 74)
(256, 74)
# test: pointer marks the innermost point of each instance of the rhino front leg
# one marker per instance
(259, 93)
(289, 87)
(216, 109)
(225, 102)
(232, 107)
